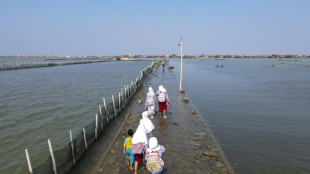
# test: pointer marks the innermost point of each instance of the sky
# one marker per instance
(117, 27)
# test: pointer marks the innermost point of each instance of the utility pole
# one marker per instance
(181, 73)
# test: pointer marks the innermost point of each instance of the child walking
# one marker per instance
(150, 102)
(139, 142)
(127, 149)
(148, 125)
(162, 100)
(154, 163)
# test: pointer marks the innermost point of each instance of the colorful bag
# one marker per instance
(161, 97)
(154, 162)
(137, 148)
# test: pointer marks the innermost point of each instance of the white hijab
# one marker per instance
(140, 135)
(161, 88)
(147, 123)
(151, 91)
(153, 144)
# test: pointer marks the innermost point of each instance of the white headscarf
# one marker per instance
(140, 135)
(161, 88)
(153, 144)
(151, 91)
(147, 123)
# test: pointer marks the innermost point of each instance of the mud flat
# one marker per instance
(190, 144)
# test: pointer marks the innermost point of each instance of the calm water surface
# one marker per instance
(26, 62)
(257, 108)
(41, 103)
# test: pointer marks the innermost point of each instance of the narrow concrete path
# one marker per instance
(190, 145)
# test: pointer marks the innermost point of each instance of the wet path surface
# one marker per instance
(190, 145)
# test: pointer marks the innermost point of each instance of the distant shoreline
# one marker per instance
(165, 56)
(28, 66)
(77, 60)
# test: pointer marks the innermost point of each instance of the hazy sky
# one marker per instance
(114, 27)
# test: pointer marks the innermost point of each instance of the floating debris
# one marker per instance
(211, 153)
(185, 100)
(195, 143)
(100, 170)
(197, 138)
(200, 134)
(222, 66)
(219, 164)
(193, 112)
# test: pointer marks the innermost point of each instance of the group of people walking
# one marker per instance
(141, 145)
(161, 97)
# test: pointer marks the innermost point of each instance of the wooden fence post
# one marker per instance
(125, 91)
(136, 84)
(28, 161)
(52, 155)
(85, 140)
(114, 106)
(119, 102)
(100, 112)
(122, 97)
(131, 87)
(106, 111)
(96, 128)
(128, 92)
(72, 148)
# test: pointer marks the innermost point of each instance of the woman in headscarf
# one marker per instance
(150, 102)
(154, 163)
(148, 125)
(163, 98)
(138, 138)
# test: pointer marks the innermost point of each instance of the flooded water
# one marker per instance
(187, 140)
(258, 110)
(11, 63)
(41, 103)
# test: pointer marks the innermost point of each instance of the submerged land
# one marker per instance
(189, 142)
(164, 56)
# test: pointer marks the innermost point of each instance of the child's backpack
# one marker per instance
(137, 148)
(150, 99)
(154, 162)
(161, 97)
